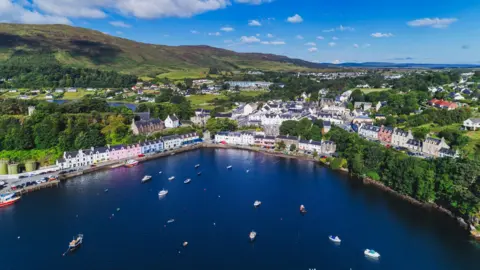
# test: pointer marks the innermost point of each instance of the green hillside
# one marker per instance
(22, 44)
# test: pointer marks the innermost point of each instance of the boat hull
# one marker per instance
(9, 202)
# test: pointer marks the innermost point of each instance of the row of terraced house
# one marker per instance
(94, 155)
(246, 138)
(405, 139)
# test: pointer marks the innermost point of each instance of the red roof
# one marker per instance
(443, 103)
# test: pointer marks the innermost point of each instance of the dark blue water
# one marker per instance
(138, 236)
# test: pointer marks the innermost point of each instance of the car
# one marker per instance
(22, 176)
(62, 172)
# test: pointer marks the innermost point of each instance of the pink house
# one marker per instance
(385, 134)
(125, 151)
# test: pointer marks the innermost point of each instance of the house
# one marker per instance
(362, 119)
(442, 104)
(445, 152)
(172, 142)
(328, 117)
(362, 105)
(49, 96)
(369, 131)
(23, 97)
(59, 90)
(287, 140)
(90, 89)
(472, 123)
(190, 138)
(432, 146)
(172, 121)
(326, 127)
(323, 147)
(327, 102)
(264, 141)
(146, 126)
(72, 90)
(235, 138)
(12, 91)
(414, 145)
(74, 159)
(201, 117)
(36, 91)
(401, 137)
(385, 134)
(154, 146)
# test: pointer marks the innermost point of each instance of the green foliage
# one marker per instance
(420, 133)
(338, 163)
(44, 157)
(281, 145)
(215, 125)
(293, 147)
(303, 128)
(373, 175)
(441, 117)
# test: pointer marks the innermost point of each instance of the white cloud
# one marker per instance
(273, 42)
(250, 39)
(313, 49)
(194, 32)
(310, 44)
(254, 23)
(269, 35)
(228, 41)
(381, 35)
(432, 22)
(336, 62)
(299, 37)
(119, 33)
(320, 38)
(355, 45)
(335, 38)
(328, 30)
(215, 34)
(331, 44)
(16, 13)
(254, 2)
(227, 29)
(345, 28)
(120, 24)
(295, 19)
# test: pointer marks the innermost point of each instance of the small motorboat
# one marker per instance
(185, 244)
(131, 163)
(8, 199)
(199, 173)
(229, 167)
(74, 244)
(106, 190)
(196, 166)
(171, 220)
(371, 253)
(334, 239)
(146, 178)
(163, 192)
(247, 171)
(257, 203)
(252, 236)
(187, 181)
(302, 209)
(160, 172)
(171, 178)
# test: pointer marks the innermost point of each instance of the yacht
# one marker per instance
(334, 239)
(160, 172)
(229, 167)
(171, 178)
(146, 178)
(252, 236)
(187, 181)
(257, 203)
(163, 192)
(8, 199)
(75, 243)
(371, 253)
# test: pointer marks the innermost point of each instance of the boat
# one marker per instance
(131, 163)
(8, 199)
(163, 192)
(171, 220)
(160, 172)
(257, 203)
(334, 239)
(199, 173)
(302, 209)
(371, 253)
(146, 178)
(196, 166)
(106, 190)
(171, 178)
(229, 167)
(252, 235)
(187, 181)
(185, 244)
(75, 243)
(247, 171)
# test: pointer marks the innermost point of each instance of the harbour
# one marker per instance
(220, 204)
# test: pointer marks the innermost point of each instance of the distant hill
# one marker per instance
(405, 65)
(80, 47)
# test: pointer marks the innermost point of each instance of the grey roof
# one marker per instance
(400, 132)
(371, 128)
(474, 120)
(143, 115)
(142, 123)
(414, 142)
(117, 147)
(449, 152)
(173, 117)
(171, 137)
(61, 160)
(433, 141)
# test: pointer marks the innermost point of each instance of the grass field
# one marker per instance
(185, 73)
(205, 101)
(371, 90)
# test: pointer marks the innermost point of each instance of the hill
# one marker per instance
(81, 47)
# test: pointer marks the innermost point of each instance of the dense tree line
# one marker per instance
(306, 129)
(396, 103)
(51, 76)
(440, 117)
(450, 183)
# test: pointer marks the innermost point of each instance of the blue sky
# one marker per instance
(421, 31)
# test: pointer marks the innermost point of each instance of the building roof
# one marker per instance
(142, 123)
(474, 120)
(414, 142)
(448, 152)
(370, 128)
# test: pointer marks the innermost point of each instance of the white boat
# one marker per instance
(247, 171)
(146, 178)
(187, 181)
(163, 192)
(131, 163)
(334, 239)
(171, 220)
(229, 167)
(160, 172)
(252, 235)
(371, 253)
(196, 166)
(257, 203)
(171, 178)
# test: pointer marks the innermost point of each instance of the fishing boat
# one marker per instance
(334, 239)
(257, 203)
(171, 220)
(229, 167)
(131, 163)
(199, 173)
(75, 243)
(163, 192)
(252, 236)
(187, 181)
(302, 209)
(146, 178)
(371, 253)
(171, 178)
(8, 199)
(196, 166)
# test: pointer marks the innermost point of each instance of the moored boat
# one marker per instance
(171, 178)
(75, 243)
(371, 253)
(334, 239)
(257, 203)
(146, 178)
(302, 209)
(229, 167)
(252, 235)
(131, 163)
(187, 181)
(8, 199)
(199, 173)
(163, 192)
(196, 166)
(171, 220)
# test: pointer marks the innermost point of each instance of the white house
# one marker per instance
(49, 96)
(323, 147)
(401, 137)
(154, 146)
(472, 123)
(75, 159)
(369, 131)
(235, 138)
(172, 142)
(172, 121)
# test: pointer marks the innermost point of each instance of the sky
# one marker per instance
(413, 31)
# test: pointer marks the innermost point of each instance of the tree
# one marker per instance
(293, 147)
(420, 133)
(281, 145)
(315, 154)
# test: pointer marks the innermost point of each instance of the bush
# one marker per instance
(338, 163)
(373, 175)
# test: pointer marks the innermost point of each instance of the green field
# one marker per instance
(205, 101)
(371, 90)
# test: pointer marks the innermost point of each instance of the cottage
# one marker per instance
(472, 123)
(154, 146)
(326, 127)
(235, 138)
(362, 105)
(445, 152)
(442, 104)
(172, 121)
(414, 145)
(362, 119)
(401, 137)
(287, 140)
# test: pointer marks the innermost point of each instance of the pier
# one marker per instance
(49, 184)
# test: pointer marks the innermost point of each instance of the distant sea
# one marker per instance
(215, 214)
